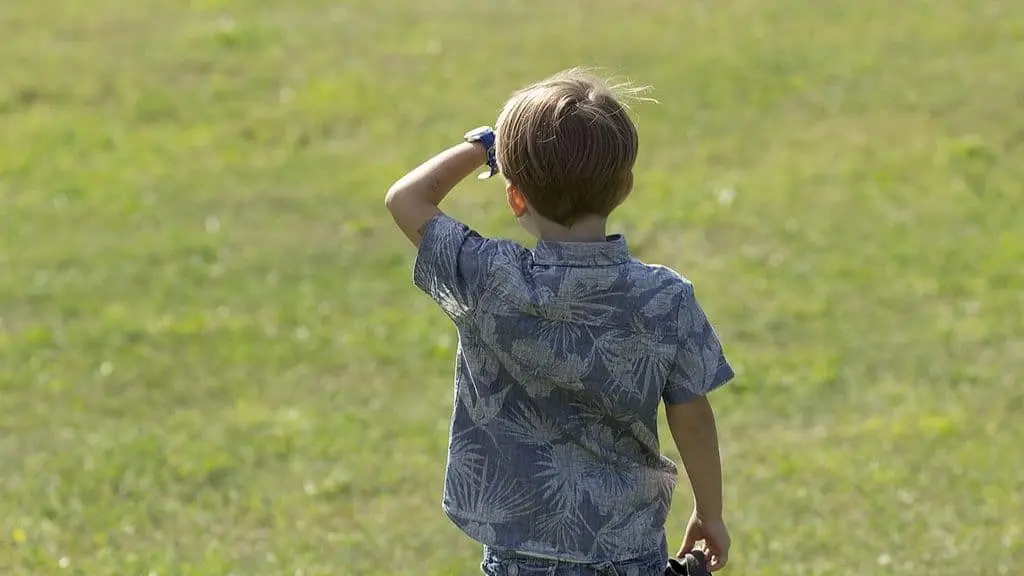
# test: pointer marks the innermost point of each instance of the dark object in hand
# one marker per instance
(695, 563)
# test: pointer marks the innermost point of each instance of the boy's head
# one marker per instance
(566, 147)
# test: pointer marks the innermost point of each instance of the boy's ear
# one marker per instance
(516, 200)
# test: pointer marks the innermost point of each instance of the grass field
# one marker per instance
(213, 361)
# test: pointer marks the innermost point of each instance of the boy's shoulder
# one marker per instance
(443, 232)
(657, 275)
(658, 292)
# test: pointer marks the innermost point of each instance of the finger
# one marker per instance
(689, 541)
(719, 548)
(718, 561)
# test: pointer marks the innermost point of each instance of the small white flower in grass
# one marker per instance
(337, 14)
(726, 196)
(212, 225)
(226, 24)
(106, 369)
(884, 560)
(64, 562)
(302, 333)
(1009, 537)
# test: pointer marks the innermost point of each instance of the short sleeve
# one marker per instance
(700, 365)
(451, 265)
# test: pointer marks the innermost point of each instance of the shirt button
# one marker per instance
(513, 570)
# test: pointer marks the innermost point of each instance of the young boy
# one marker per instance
(567, 350)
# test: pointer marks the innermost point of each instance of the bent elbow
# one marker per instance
(391, 198)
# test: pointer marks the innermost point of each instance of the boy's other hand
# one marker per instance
(715, 536)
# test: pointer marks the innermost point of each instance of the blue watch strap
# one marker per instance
(485, 135)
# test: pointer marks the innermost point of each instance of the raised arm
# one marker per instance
(414, 199)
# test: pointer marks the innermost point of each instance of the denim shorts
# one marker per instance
(499, 562)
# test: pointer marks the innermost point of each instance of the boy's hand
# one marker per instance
(716, 540)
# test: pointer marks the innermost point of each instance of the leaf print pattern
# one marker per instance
(532, 428)
(612, 487)
(577, 301)
(628, 529)
(659, 303)
(487, 367)
(561, 528)
(491, 498)
(482, 409)
(559, 334)
(565, 353)
(561, 473)
(644, 436)
(450, 279)
(699, 360)
(537, 361)
(632, 369)
(467, 460)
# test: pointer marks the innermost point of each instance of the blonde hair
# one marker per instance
(569, 145)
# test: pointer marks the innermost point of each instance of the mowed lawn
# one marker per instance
(213, 361)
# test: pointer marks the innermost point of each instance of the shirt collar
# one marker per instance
(608, 253)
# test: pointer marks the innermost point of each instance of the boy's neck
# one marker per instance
(586, 229)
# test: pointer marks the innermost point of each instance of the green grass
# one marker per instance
(213, 361)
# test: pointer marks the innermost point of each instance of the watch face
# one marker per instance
(477, 133)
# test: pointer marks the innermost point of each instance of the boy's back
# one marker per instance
(565, 355)
(566, 350)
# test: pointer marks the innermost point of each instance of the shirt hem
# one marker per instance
(463, 525)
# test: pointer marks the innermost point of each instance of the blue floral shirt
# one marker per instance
(565, 354)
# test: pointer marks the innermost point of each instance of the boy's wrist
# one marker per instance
(481, 152)
(476, 154)
(707, 514)
(486, 140)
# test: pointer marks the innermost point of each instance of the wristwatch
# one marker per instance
(485, 135)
